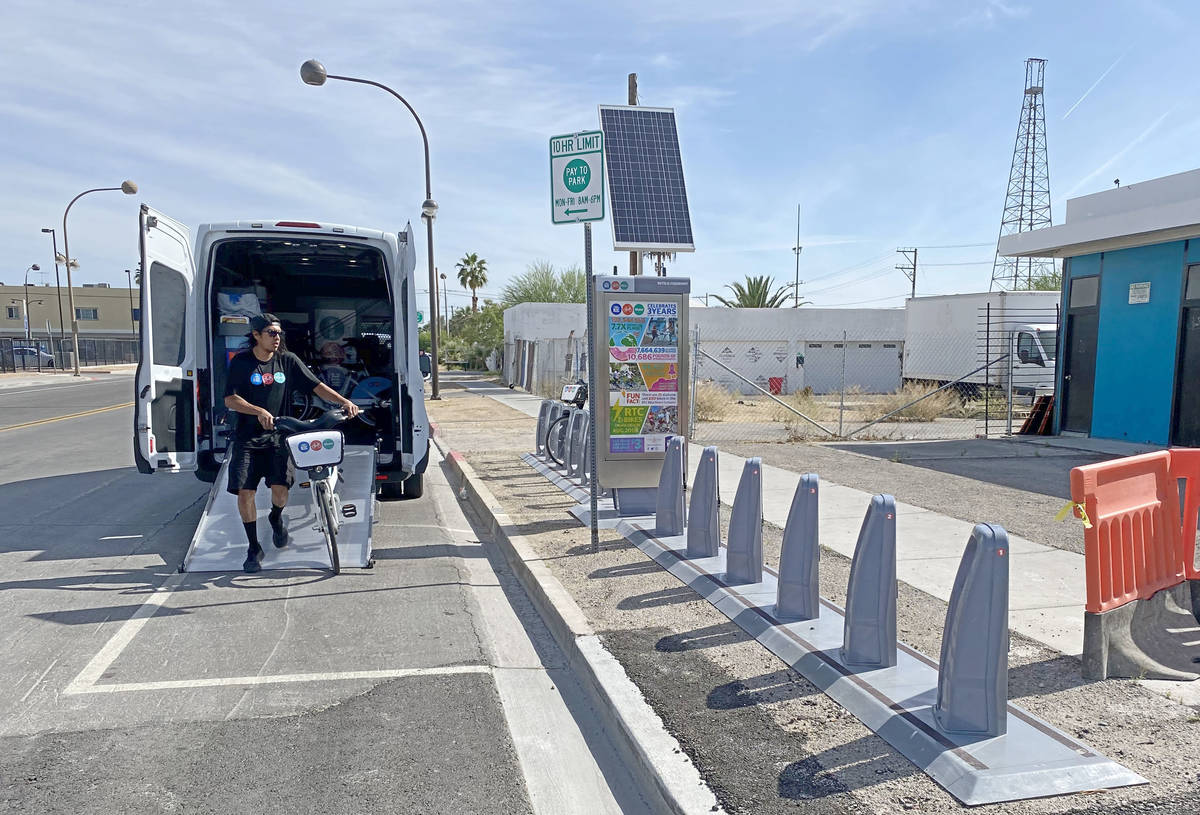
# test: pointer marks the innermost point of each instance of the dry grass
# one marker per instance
(940, 405)
(712, 401)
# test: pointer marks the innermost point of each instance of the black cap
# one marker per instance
(261, 321)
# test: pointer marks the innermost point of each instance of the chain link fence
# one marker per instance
(52, 354)
(993, 374)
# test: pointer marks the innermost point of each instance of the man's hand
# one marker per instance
(350, 408)
(266, 420)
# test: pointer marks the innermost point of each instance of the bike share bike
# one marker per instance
(317, 448)
(575, 395)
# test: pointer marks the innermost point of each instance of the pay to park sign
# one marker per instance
(577, 177)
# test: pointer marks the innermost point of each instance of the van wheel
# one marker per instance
(414, 486)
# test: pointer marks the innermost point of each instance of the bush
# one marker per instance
(711, 401)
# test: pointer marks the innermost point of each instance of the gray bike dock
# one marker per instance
(219, 544)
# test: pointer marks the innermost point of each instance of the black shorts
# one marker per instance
(248, 466)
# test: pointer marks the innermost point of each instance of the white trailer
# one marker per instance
(951, 337)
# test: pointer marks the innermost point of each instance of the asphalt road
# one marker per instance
(426, 684)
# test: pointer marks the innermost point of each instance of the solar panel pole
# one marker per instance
(593, 364)
(634, 257)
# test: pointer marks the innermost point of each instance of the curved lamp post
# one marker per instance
(313, 73)
(127, 187)
(25, 305)
(57, 284)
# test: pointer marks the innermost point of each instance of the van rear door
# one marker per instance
(164, 421)
(414, 423)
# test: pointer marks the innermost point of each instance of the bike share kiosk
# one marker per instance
(639, 342)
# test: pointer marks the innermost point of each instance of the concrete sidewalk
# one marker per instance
(1047, 588)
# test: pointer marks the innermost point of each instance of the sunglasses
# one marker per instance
(272, 332)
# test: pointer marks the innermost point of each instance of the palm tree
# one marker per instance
(472, 273)
(757, 293)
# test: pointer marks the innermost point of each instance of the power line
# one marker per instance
(851, 268)
(957, 246)
(967, 263)
(871, 276)
(872, 300)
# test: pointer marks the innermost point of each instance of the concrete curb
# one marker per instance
(653, 755)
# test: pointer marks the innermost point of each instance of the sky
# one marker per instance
(889, 122)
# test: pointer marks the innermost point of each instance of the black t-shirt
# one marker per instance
(267, 385)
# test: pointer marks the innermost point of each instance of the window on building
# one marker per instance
(14, 312)
(1193, 283)
(1085, 292)
(87, 314)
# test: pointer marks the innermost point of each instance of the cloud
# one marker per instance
(1141, 137)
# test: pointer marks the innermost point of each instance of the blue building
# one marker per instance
(1129, 351)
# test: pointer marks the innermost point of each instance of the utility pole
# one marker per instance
(797, 248)
(910, 267)
(633, 100)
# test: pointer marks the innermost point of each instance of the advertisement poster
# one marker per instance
(643, 375)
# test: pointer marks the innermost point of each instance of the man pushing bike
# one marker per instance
(260, 386)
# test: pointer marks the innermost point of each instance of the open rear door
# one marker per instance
(164, 420)
(414, 423)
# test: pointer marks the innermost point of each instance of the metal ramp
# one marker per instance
(219, 544)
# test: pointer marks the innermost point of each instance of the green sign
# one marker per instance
(420, 318)
(577, 177)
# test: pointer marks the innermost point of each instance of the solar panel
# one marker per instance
(648, 199)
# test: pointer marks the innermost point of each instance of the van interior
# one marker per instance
(333, 300)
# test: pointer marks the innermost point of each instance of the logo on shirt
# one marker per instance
(268, 379)
(280, 378)
(256, 378)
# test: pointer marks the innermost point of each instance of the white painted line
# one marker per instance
(119, 537)
(232, 681)
(33, 687)
(125, 634)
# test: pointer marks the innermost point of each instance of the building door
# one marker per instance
(1185, 427)
(1079, 377)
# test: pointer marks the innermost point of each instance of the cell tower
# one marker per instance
(1027, 205)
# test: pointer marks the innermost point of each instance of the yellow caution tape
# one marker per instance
(1079, 511)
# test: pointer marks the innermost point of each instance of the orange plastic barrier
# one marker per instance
(1185, 464)
(1132, 549)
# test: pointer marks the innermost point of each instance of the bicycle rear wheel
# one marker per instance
(325, 502)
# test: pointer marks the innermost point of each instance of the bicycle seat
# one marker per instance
(326, 421)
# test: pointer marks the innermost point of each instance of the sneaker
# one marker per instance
(253, 560)
(279, 536)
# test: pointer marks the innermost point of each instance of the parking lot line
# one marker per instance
(233, 681)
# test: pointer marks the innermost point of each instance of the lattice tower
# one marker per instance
(1027, 205)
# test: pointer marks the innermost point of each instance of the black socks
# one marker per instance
(276, 516)
(252, 535)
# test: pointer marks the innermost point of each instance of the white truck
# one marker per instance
(951, 337)
(346, 297)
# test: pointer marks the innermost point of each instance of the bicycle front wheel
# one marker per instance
(557, 428)
(325, 502)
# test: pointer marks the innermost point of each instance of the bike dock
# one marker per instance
(219, 544)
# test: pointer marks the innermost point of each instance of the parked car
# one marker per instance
(26, 356)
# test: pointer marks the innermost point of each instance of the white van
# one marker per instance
(346, 298)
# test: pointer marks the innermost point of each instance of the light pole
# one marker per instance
(57, 285)
(132, 327)
(127, 187)
(313, 73)
(446, 300)
(25, 304)
(797, 248)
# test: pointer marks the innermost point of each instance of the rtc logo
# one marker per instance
(616, 308)
(639, 309)
(328, 444)
(303, 446)
(627, 309)
(256, 378)
(280, 378)
(316, 445)
(268, 379)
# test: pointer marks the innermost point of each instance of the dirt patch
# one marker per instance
(765, 739)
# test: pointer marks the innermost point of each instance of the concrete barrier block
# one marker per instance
(869, 636)
(669, 510)
(799, 561)
(543, 422)
(744, 558)
(704, 516)
(972, 692)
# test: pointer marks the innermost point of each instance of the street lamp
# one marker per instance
(127, 187)
(25, 306)
(313, 73)
(446, 300)
(57, 284)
